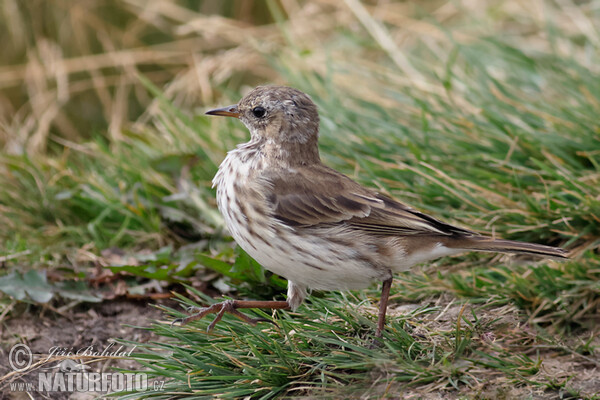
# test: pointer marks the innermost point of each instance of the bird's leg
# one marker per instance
(383, 303)
(231, 306)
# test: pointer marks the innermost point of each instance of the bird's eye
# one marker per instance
(259, 112)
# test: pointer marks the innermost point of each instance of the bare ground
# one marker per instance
(93, 329)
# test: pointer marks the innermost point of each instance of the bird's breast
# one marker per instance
(241, 198)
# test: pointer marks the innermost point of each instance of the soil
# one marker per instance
(85, 330)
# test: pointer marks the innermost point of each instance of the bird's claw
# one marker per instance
(190, 309)
(228, 306)
(185, 320)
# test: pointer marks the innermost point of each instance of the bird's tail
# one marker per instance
(484, 243)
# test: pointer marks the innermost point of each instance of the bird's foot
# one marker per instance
(229, 306)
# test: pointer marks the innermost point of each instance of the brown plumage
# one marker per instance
(314, 225)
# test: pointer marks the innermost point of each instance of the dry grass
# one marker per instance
(72, 67)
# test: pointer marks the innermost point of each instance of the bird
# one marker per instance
(315, 226)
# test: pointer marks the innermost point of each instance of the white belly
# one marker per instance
(303, 258)
(310, 261)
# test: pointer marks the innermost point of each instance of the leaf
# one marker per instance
(76, 290)
(278, 281)
(249, 269)
(12, 285)
(149, 271)
(216, 265)
(34, 284)
(37, 287)
(244, 269)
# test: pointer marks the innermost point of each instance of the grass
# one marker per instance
(329, 345)
(485, 116)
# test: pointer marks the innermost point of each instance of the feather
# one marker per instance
(314, 195)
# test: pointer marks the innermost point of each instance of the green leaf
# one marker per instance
(216, 265)
(248, 269)
(12, 284)
(37, 287)
(76, 290)
(33, 284)
(162, 272)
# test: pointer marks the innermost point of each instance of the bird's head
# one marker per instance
(279, 114)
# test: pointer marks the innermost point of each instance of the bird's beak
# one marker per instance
(229, 111)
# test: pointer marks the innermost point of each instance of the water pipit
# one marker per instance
(315, 226)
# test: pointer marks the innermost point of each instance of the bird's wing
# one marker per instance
(315, 195)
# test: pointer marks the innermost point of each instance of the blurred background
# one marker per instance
(83, 88)
(483, 113)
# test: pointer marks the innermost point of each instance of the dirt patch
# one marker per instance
(84, 331)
